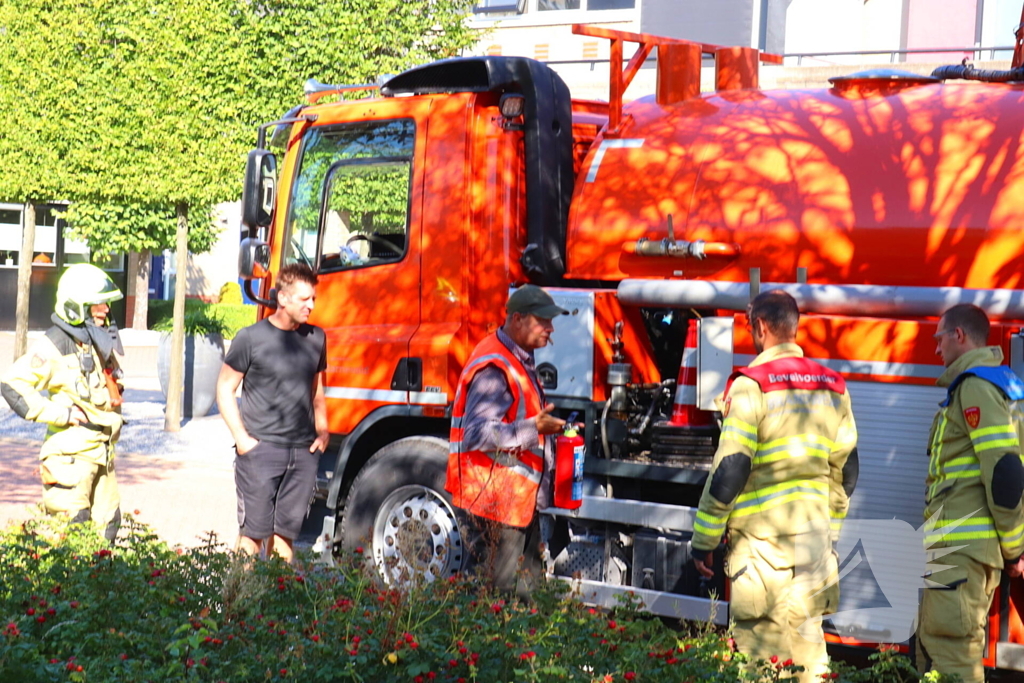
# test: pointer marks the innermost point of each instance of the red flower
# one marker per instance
(528, 655)
(418, 679)
(315, 638)
(788, 662)
(73, 604)
(775, 658)
(30, 611)
(123, 656)
(431, 675)
(359, 550)
(629, 676)
(612, 625)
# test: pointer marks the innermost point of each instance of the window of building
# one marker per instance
(53, 245)
(44, 250)
(10, 234)
(495, 6)
(588, 5)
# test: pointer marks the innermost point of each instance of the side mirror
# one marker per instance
(259, 190)
(254, 264)
(253, 259)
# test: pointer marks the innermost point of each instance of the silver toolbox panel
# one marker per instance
(572, 349)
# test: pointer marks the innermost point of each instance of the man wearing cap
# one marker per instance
(502, 445)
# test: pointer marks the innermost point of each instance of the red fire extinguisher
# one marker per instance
(569, 454)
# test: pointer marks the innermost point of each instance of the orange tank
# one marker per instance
(873, 181)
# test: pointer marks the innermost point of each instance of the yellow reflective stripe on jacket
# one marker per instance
(847, 436)
(811, 445)
(709, 525)
(773, 496)
(836, 519)
(739, 431)
(969, 529)
(964, 467)
(1012, 538)
(997, 436)
(933, 466)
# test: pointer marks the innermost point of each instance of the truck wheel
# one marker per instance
(398, 507)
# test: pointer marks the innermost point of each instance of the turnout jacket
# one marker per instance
(72, 374)
(786, 462)
(975, 473)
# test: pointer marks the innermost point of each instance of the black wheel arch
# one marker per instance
(383, 426)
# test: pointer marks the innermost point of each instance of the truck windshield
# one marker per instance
(350, 202)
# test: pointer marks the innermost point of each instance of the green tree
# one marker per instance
(151, 105)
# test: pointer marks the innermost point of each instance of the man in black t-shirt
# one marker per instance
(281, 430)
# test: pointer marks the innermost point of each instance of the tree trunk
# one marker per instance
(141, 314)
(28, 244)
(176, 373)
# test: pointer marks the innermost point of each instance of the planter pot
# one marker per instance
(203, 358)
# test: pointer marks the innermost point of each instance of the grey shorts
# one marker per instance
(275, 489)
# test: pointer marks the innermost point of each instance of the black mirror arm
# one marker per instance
(258, 299)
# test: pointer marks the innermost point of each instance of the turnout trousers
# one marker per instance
(951, 619)
(777, 605)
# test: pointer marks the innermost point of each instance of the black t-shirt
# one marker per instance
(280, 368)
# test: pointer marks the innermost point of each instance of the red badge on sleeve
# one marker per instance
(973, 416)
(725, 408)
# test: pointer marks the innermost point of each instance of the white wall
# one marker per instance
(843, 26)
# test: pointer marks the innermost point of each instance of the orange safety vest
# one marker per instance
(501, 485)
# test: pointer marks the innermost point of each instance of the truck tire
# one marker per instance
(398, 511)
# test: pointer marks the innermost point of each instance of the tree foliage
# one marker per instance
(121, 227)
(146, 104)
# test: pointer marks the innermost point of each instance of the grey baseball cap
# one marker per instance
(531, 299)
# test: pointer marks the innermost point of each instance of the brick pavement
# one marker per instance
(180, 499)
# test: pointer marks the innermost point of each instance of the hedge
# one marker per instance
(234, 316)
(75, 609)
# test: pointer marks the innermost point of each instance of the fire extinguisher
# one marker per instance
(569, 454)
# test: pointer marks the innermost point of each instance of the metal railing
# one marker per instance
(976, 53)
(973, 50)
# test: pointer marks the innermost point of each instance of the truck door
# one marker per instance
(355, 217)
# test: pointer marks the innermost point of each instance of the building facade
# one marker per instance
(542, 29)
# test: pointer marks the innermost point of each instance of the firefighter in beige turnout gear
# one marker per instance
(75, 364)
(780, 484)
(973, 492)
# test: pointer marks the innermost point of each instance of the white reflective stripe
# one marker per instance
(864, 367)
(686, 395)
(689, 358)
(387, 395)
(606, 145)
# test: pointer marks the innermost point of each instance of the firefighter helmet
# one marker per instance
(81, 286)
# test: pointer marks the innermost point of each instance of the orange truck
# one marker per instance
(877, 202)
